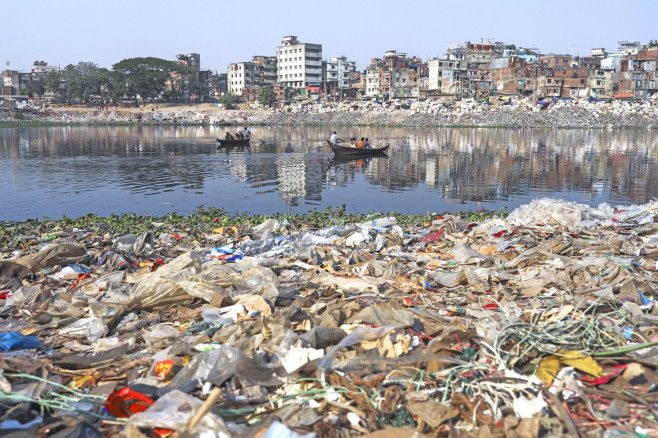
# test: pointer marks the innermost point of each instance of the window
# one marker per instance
(598, 82)
(548, 81)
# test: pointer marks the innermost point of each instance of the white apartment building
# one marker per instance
(298, 64)
(241, 75)
(338, 71)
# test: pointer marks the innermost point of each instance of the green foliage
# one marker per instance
(203, 220)
(267, 96)
(23, 92)
(147, 77)
(37, 87)
(228, 98)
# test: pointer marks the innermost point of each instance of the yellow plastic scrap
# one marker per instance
(550, 366)
(225, 230)
(581, 362)
(548, 369)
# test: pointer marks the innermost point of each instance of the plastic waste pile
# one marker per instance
(543, 323)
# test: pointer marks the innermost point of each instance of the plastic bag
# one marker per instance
(90, 328)
(174, 410)
(16, 341)
(219, 365)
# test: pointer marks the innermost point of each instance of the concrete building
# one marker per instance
(243, 75)
(298, 64)
(192, 60)
(338, 71)
(40, 69)
(267, 71)
(388, 78)
(638, 74)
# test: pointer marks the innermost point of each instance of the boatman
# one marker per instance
(334, 139)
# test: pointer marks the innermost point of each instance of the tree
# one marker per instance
(37, 87)
(267, 96)
(53, 83)
(229, 98)
(23, 92)
(147, 77)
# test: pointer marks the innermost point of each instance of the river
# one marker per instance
(75, 170)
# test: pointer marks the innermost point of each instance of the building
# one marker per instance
(638, 73)
(298, 64)
(243, 75)
(192, 60)
(14, 81)
(388, 77)
(338, 70)
(41, 69)
(267, 76)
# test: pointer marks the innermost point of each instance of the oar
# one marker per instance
(324, 144)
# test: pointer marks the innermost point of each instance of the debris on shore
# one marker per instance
(522, 113)
(541, 323)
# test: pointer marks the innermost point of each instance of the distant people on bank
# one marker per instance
(334, 139)
(228, 136)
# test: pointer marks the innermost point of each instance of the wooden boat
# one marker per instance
(347, 150)
(224, 143)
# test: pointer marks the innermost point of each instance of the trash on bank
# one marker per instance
(540, 323)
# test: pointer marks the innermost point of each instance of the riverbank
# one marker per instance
(365, 326)
(443, 113)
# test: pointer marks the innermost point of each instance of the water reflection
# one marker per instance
(73, 171)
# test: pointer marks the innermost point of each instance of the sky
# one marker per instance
(63, 32)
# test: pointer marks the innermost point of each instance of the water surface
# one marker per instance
(73, 171)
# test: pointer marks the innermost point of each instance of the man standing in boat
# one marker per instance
(335, 140)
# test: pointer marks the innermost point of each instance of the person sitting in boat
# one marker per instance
(246, 132)
(335, 140)
(353, 142)
(228, 136)
(366, 144)
(361, 143)
(239, 135)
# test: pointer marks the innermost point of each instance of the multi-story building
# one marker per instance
(443, 75)
(192, 60)
(40, 69)
(243, 75)
(389, 77)
(14, 81)
(338, 71)
(267, 71)
(638, 74)
(298, 64)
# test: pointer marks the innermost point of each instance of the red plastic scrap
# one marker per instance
(5, 294)
(80, 277)
(433, 237)
(607, 376)
(175, 236)
(125, 402)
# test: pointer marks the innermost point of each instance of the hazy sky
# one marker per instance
(64, 32)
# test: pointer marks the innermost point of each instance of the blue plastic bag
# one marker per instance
(16, 341)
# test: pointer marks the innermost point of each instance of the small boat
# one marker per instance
(242, 142)
(347, 150)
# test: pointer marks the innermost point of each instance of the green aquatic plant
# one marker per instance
(203, 220)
